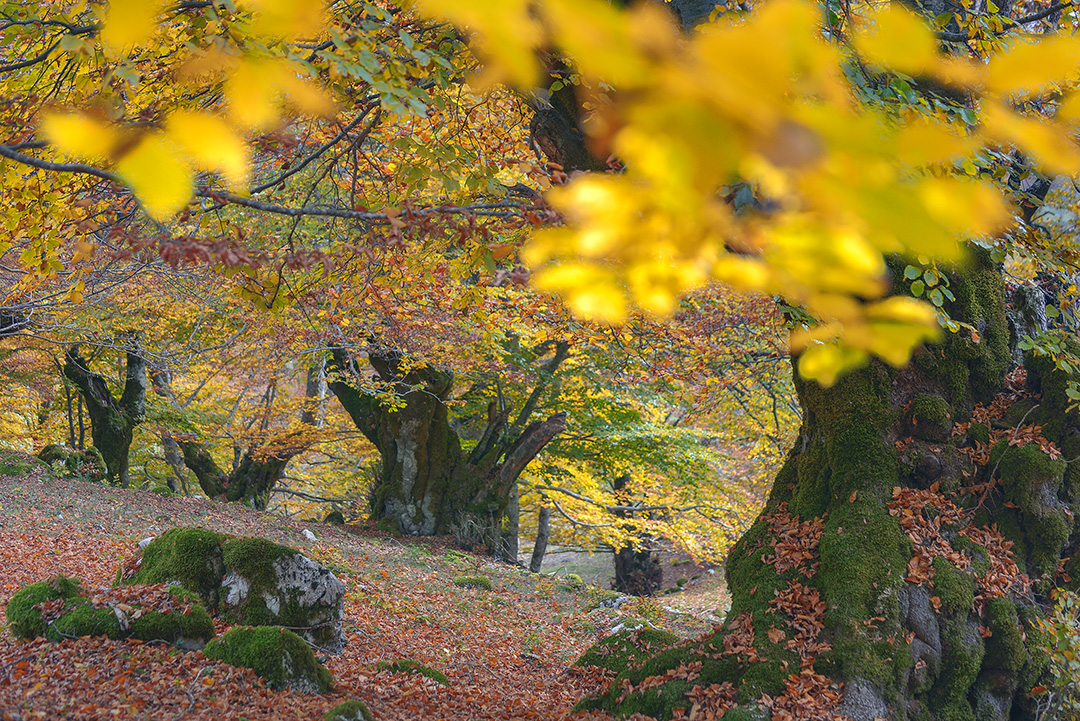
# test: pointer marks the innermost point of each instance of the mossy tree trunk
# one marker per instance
(112, 420)
(835, 610)
(428, 485)
(252, 478)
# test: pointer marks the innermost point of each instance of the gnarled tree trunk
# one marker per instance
(112, 420)
(905, 548)
(637, 567)
(428, 485)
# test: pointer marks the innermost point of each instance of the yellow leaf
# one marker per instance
(129, 23)
(1029, 66)
(925, 142)
(160, 180)
(212, 145)
(79, 136)
(504, 35)
(287, 18)
(825, 362)
(1049, 142)
(307, 96)
(590, 292)
(898, 40)
(252, 92)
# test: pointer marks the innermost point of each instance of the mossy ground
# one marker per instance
(354, 710)
(481, 582)
(407, 665)
(621, 650)
(276, 654)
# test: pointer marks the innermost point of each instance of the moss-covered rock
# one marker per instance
(354, 710)
(621, 650)
(191, 557)
(481, 582)
(931, 418)
(250, 581)
(85, 465)
(60, 609)
(407, 665)
(276, 654)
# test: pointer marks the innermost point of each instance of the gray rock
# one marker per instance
(862, 702)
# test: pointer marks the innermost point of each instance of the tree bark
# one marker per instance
(112, 420)
(637, 567)
(543, 534)
(427, 484)
(886, 575)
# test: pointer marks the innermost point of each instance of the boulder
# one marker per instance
(276, 654)
(250, 581)
(61, 608)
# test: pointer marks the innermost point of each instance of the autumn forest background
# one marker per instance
(756, 321)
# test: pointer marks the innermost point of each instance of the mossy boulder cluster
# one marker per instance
(354, 710)
(62, 608)
(250, 581)
(86, 465)
(276, 654)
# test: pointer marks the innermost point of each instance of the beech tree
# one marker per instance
(427, 484)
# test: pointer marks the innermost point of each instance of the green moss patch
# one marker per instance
(60, 609)
(191, 557)
(354, 710)
(407, 665)
(481, 582)
(276, 654)
(621, 650)
(931, 418)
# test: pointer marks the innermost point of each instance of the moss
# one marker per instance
(1005, 646)
(862, 570)
(83, 620)
(979, 433)
(336, 518)
(931, 418)
(194, 627)
(189, 556)
(389, 525)
(954, 587)
(253, 558)
(354, 710)
(24, 620)
(407, 665)
(276, 654)
(626, 648)
(962, 655)
(1031, 480)
(481, 582)
(13, 463)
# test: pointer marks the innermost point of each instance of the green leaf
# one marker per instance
(917, 288)
(911, 272)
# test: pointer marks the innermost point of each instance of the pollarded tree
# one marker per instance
(428, 484)
(112, 420)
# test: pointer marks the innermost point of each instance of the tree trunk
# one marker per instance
(881, 580)
(637, 567)
(543, 534)
(251, 481)
(112, 421)
(428, 485)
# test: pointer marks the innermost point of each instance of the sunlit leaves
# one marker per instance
(213, 145)
(129, 23)
(898, 39)
(79, 136)
(1030, 65)
(159, 178)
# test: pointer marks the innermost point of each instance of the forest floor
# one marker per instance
(508, 652)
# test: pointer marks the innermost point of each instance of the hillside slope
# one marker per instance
(507, 652)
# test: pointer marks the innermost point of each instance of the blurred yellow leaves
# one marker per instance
(212, 145)
(157, 176)
(79, 136)
(896, 38)
(129, 23)
(759, 108)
